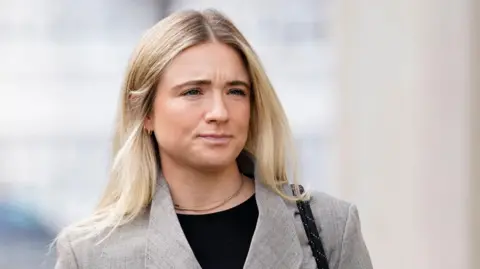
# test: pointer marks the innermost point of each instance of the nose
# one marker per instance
(217, 111)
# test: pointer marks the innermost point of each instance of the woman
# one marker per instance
(199, 175)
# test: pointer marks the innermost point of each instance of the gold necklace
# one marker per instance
(179, 208)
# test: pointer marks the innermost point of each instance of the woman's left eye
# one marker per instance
(237, 92)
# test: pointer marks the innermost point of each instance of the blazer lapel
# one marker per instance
(167, 246)
(275, 243)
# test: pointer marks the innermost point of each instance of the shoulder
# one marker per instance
(65, 256)
(329, 207)
(329, 212)
(73, 251)
(339, 225)
(331, 216)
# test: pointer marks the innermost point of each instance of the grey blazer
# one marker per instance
(155, 240)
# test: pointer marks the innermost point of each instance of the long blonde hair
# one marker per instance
(134, 168)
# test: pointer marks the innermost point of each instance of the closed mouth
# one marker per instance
(216, 139)
(215, 136)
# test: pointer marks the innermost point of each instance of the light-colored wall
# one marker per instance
(475, 135)
(405, 139)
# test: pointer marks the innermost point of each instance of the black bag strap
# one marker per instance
(313, 235)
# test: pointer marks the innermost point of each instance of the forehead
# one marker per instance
(213, 61)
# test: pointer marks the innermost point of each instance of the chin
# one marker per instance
(214, 161)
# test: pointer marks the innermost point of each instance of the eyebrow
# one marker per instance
(200, 82)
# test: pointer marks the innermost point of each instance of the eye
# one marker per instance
(193, 91)
(237, 92)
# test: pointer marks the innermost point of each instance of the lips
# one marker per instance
(216, 138)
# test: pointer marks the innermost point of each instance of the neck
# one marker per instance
(197, 189)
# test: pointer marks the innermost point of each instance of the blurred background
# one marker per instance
(383, 98)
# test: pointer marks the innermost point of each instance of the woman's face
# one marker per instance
(201, 113)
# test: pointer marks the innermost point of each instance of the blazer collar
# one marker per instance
(274, 244)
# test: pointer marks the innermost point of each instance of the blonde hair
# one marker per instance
(134, 169)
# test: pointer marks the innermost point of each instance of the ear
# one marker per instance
(148, 123)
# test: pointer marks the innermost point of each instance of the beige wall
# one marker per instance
(406, 153)
(475, 138)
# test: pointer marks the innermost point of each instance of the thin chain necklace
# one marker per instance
(179, 208)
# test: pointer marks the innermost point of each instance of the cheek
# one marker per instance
(243, 118)
(173, 121)
(247, 118)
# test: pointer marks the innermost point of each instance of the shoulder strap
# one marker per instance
(311, 231)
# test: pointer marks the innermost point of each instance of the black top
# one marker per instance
(221, 240)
